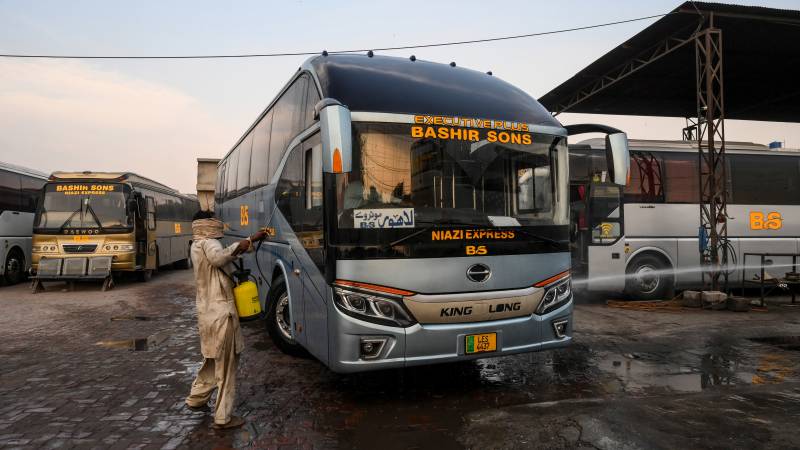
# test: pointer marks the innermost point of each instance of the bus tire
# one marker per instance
(14, 266)
(278, 321)
(145, 275)
(648, 277)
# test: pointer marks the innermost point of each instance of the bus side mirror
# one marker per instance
(337, 139)
(618, 157)
(133, 206)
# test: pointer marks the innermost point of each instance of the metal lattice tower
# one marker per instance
(710, 135)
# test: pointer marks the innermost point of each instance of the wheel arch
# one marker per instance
(658, 252)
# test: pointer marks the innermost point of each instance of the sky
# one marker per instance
(157, 117)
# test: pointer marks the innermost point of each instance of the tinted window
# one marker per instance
(312, 98)
(219, 192)
(259, 159)
(31, 192)
(682, 179)
(313, 238)
(9, 191)
(765, 179)
(290, 192)
(645, 185)
(287, 121)
(585, 164)
(230, 174)
(243, 172)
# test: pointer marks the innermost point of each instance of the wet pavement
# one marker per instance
(110, 370)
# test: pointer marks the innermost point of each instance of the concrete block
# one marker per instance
(715, 299)
(691, 299)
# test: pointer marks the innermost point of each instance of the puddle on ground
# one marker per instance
(782, 342)
(683, 373)
(137, 345)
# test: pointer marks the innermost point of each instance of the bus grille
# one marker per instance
(80, 248)
(74, 267)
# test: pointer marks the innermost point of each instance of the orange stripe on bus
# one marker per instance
(373, 287)
(552, 279)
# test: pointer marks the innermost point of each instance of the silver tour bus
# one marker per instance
(418, 213)
(643, 238)
(20, 190)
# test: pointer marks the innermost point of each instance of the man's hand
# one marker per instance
(244, 245)
(260, 235)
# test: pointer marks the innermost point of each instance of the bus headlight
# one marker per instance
(45, 248)
(372, 307)
(555, 295)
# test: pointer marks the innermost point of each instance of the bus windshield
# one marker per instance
(83, 205)
(399, 181)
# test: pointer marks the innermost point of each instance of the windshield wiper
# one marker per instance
(89, 209)
(69, 219)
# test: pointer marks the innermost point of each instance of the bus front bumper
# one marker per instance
(441, 343)
(80, 266)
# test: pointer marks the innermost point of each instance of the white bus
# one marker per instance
(649, 247)
(20, 189)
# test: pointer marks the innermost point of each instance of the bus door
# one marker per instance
(605, 244)
(150, 233)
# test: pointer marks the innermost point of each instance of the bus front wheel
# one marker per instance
(648, 277)
(279, 320)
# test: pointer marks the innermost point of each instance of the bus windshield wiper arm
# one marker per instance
(69, 219)
(96, 219)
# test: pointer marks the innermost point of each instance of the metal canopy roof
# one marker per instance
(653, 73)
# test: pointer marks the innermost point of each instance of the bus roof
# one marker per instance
(685, 146)
(115, 176)
(399, 85)
(22, 170)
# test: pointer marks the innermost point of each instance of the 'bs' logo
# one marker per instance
(771, 221)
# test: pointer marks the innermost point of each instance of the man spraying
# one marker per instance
(221, 339)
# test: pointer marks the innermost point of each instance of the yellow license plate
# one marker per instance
(479, 343)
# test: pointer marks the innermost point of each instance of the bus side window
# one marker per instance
(259, 158)
(151, 213)
(243, 173)
(313, 238)
(9, 191)
(289, 193)
(31, 191)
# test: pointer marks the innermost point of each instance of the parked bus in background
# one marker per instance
(426, 221)
(643, 238)
(92, 224)
(20, 189)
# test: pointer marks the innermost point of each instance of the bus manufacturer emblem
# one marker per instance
(478, 273)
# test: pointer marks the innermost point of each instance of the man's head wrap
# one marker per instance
(207, 229)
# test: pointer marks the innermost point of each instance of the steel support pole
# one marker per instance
(710, 135)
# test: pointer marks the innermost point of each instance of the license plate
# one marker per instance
(479, 343)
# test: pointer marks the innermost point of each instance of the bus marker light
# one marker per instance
(337, 160)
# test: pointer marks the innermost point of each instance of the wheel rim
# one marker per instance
(283, 317)
(13, 267)
(647, 278)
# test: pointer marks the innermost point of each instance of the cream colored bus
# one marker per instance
(90, 225)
